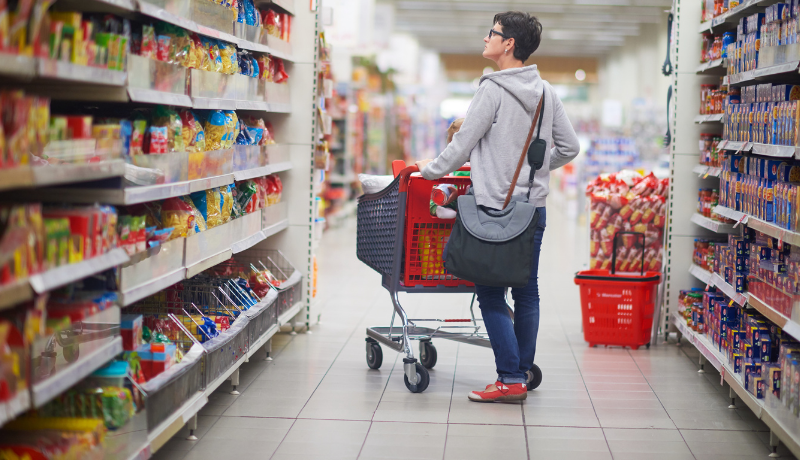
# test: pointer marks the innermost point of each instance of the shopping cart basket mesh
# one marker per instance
(377, 228)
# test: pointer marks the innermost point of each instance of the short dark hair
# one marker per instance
(524, 28)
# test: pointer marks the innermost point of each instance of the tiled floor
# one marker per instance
(318, 399)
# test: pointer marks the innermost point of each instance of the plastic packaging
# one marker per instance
(208, 203)
(374, 184)
(215, 130)
(226, 202)
(199, 221)
(175, 213)
(194, 137)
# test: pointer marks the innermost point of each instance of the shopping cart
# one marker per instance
(398, 238)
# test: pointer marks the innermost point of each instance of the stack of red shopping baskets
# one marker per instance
(618, 307)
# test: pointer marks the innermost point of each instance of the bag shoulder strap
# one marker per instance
(524, 151)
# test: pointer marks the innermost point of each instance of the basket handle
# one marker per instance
(614, 251)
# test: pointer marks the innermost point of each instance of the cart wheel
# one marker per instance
(423, 379)
(534, 377)
(374, 355)
(427, 354)
(71, 353)
(647, 346)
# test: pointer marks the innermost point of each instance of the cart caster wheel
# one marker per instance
(647, 346)
(534, 377)
(423, 379)
(374, 355)
(427, 354)
(72, 353)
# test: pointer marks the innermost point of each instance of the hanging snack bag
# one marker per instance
(215, 130)
(177, 214)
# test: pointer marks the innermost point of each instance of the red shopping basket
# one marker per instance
(618, 308)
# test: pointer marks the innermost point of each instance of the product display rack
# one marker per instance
(146, 273)
(686, 224)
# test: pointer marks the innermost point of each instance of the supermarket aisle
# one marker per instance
(319, 400)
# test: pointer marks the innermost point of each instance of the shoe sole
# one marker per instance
(519, 397)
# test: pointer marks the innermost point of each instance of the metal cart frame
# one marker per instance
(380, 244)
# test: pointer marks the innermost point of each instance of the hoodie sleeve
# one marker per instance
(479, 119)
(565, 141)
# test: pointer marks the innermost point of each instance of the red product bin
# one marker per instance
(617, 308)
(426, 235)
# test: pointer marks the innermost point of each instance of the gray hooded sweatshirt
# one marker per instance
(494, 133)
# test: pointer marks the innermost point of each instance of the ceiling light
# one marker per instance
(580, 75)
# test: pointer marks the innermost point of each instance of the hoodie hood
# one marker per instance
(523, 82)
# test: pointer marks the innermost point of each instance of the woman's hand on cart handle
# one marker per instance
(422, 163)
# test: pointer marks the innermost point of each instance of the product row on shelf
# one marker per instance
(142, 252)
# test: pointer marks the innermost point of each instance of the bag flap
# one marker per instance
(500, 225)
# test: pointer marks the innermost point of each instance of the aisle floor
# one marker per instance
(318, 399)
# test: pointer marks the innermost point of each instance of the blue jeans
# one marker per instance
(514, 342)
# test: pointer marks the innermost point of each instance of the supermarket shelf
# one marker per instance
(276, 228)
(16, 66)
(15, 406)
(715, 65)
(130, 441)
(151, 287)
(287, 316)
(40, 176)
(255, 346)
(213, 103)
(713, 357)
(774, 231)
(142, 194)
(248, 242)
(736, 146)
(707, 171)
(713, 225)
(713, 118)
(44, 391)
(67, 71)
(788, 325)
(169, 427)
(787, 236)
(728, 290)
(699, 273)
(14, 293)
(61, 276)
(779, 151)
(778, 422)
(731, 18)
(208, 262)
(151, 96)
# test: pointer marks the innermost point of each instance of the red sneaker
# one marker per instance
(500, 391)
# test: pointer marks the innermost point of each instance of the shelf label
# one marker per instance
(739, 221)
(722, 376)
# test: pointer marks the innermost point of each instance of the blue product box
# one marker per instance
(737, 163)
(740, 281)
(759, 387)
(766, 350)
(737, 363)
(771, 169)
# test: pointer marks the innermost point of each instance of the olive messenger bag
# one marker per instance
(495, 248)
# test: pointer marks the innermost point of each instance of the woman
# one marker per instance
(491, 139)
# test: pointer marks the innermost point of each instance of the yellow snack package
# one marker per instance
(226, 202)
(214, 208)
(199, 222)
(177, 214)
(215, 130)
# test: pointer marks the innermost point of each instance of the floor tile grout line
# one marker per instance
(344, 345)
(580, 372)
(452, 392)
(372, 420)
(662, 404)
(525, 431)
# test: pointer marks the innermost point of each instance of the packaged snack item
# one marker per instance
(149, 46)
(231, 128)
(245, 191)
(169, 119)
(226, 202)
(278, 72)
(272, 23)
(215, 130)
(199, 221)
(157, 140)
(209, 204)
(175, 213)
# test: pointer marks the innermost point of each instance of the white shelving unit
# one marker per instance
(286, 226)
(687, 176)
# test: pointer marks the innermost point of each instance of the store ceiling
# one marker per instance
(571, 27)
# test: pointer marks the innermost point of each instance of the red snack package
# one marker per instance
(603, 222)
(638, 212)
(279, 75)
(606, 242)
(594, 243)
(595, 211)
(650, 206)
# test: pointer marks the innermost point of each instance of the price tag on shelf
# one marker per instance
(705, 176)
(708, 286)
(730, 304)
(722, 376)
(780, 240)
(739, 221)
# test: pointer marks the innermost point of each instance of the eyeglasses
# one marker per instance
(492, 31)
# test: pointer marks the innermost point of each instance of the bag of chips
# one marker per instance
(177, 214)
(199, 221)
(226, 203)
(208, 204)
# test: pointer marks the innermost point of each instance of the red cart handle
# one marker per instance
(399, 169)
